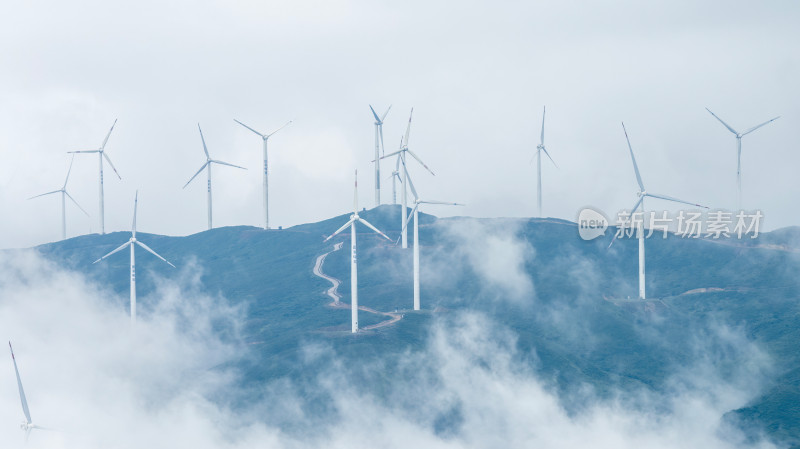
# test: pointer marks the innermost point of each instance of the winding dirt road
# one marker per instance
(335, 295)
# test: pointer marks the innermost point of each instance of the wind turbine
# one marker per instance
(132, 243)
(539, 149)
(26, 425)
(353, 256)
(208, 163)
(264, 138)
(739, 148)
(642, 193)
(415, 214)
(378, 147)
(102, 154)
(402, 153)
(64, 195)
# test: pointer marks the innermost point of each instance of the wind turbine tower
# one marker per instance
(264, 138)
(132, 244)
(207, 164)
(539, 149)
(354, 256)
(739, 148)
(402, 153)
(64, 196)
(415, 214)
(102, 155)
(642, 193)
(378, 147)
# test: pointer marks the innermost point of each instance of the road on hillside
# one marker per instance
(335, 295)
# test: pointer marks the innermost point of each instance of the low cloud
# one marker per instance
(172, 382)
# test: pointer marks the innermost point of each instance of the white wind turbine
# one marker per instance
(353, 256)
(378, 147)
(395, 176)
(28, 424)
(402, 153)
(64, 195)
(208, 163)
(415, 214)
(132, 243)
(102, 154)
(739, 148)
(539, 149)
(264, 138)
(642, 193)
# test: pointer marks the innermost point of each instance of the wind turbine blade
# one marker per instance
(638, 202)
(154, 253)
(195, 175)
(543, 112)
(284, 126)
(397, 164)
(48, 193)
(391, 154)
(349, 222)
(27, 434)
(76, 203)
(635, 167)
(102, 147)
(408, 128)
(251, 129)
(68, 172)
(123, 246)
(205, 149)
(759, 126)
(367, 224)
(383, 148)
(410, 216)
(21, 390)
(410, 183)
(420, 161)
(548, 156)
(669, 198)
(720, 120)
(225, 163)
(112, 165)
(386, 113)
(375, 114)
(83, 151)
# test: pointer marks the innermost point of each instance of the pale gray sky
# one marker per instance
(477, 74)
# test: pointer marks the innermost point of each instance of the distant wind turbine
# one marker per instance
(102, 154)
(208, 163)
(264, 138)
(739, 148)
(395, 176)
(64, 195)
(415, 214)
(353, 256)
(402, 153)
(28, 424)
(642, 193)
(378, 147)
(539, 149)
(132, 244)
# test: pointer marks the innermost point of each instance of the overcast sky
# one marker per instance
(476, 73)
